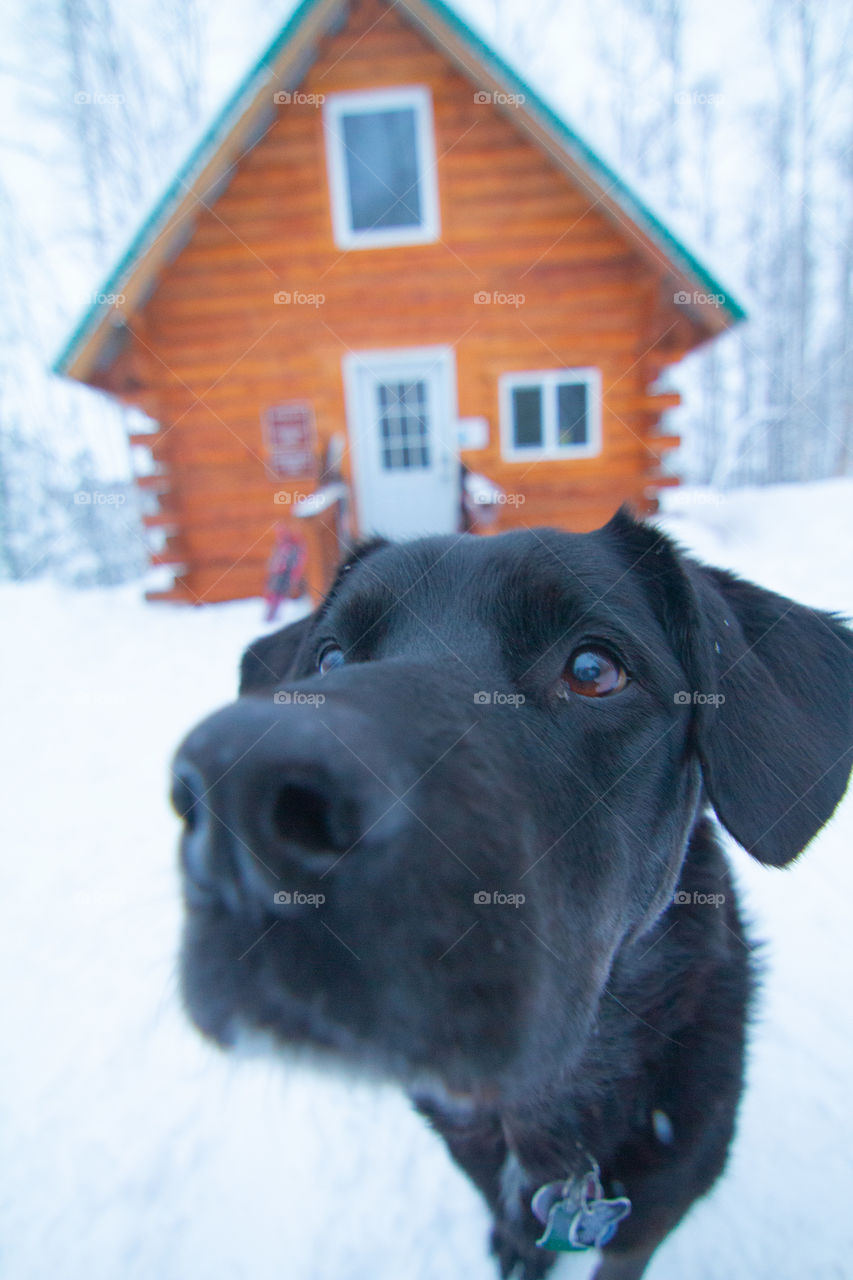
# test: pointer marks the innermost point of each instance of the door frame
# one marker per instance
(441, 362)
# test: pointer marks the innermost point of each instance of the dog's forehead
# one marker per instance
(525, 568)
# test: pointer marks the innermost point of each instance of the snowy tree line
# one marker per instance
(745, 146)
(110, 97)
(751, 153)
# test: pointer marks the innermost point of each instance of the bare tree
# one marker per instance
(111, 118)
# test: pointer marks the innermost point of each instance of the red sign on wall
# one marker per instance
(290, 438)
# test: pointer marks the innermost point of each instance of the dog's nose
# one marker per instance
(265, 794)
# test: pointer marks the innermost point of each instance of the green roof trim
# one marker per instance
(630, 201)
(246, 92)
(162, 207)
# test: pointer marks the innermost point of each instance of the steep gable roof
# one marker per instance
(248, 113)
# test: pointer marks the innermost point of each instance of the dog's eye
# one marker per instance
(330, 658)
(594, 673)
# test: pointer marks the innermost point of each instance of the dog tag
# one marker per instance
(576, 1215)
(559, 1228)
(595, 1225)
(548, 1196)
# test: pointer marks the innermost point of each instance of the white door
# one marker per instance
(402, 418)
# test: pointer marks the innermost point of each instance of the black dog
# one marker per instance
(455, 829)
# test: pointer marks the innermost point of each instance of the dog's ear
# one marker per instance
(776, 753)
(771, 693)
(274, 659)
(270, 660)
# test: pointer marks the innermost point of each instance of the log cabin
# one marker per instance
(389, 264)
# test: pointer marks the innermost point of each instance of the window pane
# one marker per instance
(403, 425)
(381, 158)
(527, 417)
(571, 414)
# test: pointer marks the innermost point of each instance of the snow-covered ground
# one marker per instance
(131, 1151)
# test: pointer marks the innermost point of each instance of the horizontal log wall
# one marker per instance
(212, 348)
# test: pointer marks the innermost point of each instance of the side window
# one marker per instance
(555, 413)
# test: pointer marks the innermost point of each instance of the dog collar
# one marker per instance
(575, 1213)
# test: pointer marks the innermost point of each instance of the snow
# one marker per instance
(133, 1150)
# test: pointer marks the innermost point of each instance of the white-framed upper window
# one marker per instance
(553, 413)
(381, 161)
